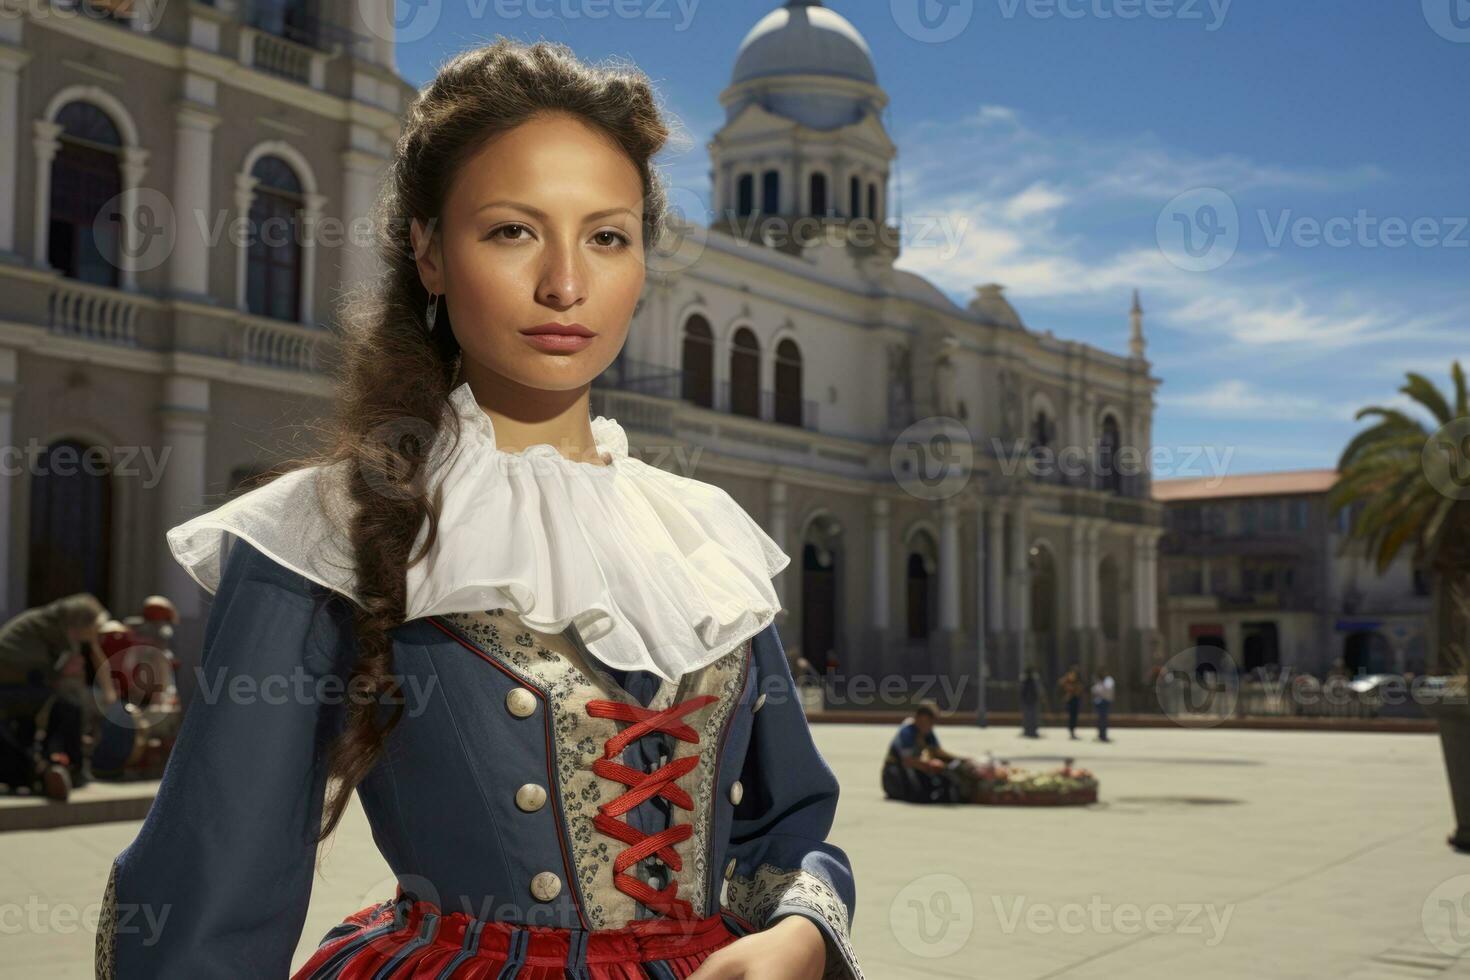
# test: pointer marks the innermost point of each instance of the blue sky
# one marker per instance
(1315, 153)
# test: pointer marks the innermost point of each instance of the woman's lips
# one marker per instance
(557, 343)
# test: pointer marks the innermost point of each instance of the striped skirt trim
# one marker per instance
(410, 938)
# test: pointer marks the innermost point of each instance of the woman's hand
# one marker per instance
(792, 949)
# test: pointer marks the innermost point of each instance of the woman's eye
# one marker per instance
(619, 240)
(505, 228)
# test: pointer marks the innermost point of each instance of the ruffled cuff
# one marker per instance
(772, 894)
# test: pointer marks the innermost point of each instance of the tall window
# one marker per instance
(273, 270)
(921, 593)
(1109, 442)
(745, 374)
(819, 194)
(788, 383)
(873, 201)
(855, 197)
(771, 192)
(86, 174)
(745, 195)
(698, 375)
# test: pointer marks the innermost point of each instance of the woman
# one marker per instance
(549, 670)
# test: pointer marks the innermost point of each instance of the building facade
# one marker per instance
(150, 341)
(948, 481)
(1257, 567)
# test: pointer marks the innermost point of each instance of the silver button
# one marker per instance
(758, 702)
(520, 702)
(730, 869)
(736, 792)
(545, 886)
(531, 797)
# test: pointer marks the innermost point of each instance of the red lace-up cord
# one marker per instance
(643, 786)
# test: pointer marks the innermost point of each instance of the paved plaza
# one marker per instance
(1214, 855)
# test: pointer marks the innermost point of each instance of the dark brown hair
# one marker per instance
(394, 376)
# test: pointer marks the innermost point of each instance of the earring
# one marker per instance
(432, 313)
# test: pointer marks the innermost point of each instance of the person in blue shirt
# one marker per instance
(918, 770)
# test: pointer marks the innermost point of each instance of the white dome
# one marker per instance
(804, 38)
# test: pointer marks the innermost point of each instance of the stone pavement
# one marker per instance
(1213, 855)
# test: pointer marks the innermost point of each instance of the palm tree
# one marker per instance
(1410, 488)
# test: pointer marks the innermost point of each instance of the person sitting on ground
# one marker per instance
(917, 770)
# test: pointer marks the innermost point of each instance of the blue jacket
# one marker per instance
(484, 800)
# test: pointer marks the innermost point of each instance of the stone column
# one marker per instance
(949, 566)
(1094, 590)
(1020, 618)
(1079, 575)
(1151, 580)
(995, 578)
(183, 424)
(13, 471)
(193, 147)
(12, 60)
(45, 141)
(134, 166)
(244, 196)
(878, 612)
(361, 173)
(776, 503)
(315, 203)
(1140, 581)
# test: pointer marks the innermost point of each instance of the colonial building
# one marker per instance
(946, 479)
(1255, 567)
(147, 350)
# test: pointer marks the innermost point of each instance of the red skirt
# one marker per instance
(408, 937)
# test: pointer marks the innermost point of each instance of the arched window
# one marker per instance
(745, 374)
(771, 192)
(922, 583)
(819, 193)
(274, 259)
(698, 374)
(70, 523)
(855, 197)
(745, 194)
(788, 383)
(873, 201)
(86, 173)
(1043, 429)
(1109, 442)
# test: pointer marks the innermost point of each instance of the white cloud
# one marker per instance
(1241, 399)
(1036, 199)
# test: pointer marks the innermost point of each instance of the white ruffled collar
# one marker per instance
(656, 571)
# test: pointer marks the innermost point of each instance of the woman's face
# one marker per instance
(542, 225)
